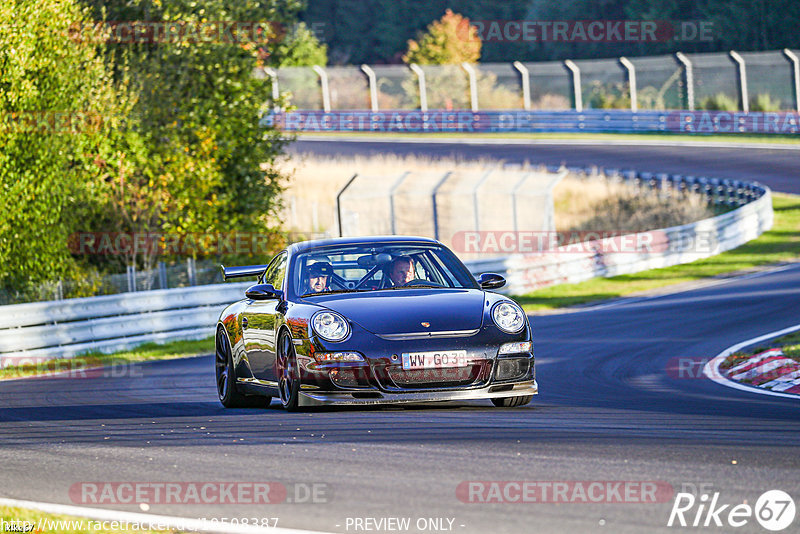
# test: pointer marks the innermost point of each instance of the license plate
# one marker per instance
(434, 360)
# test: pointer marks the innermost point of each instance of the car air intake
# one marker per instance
(511, 368)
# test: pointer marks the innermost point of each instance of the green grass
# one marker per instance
(146, 352)
(67, 525)
(721, 138)
(789, 344)
(780, 244)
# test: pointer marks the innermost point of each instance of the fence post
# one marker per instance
(475, 199)
(688, 78)
(373, 86)
(629, 66)
(576, 84)
(326, 94)
(435, 212)
(339, 204)
(131, 275)
(60, 290)
(795, 61)
(423, 95)
(526, 85)
(473, 85)
(276, 93)
(514, 214)
(741, 78)
(391, 200)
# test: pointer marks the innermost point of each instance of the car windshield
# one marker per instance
(368, 267)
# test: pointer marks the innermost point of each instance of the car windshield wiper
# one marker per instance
(412, 286)
(332, 291)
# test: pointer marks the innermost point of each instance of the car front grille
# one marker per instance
(394, 377)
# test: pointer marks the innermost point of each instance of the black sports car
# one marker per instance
(371, 320)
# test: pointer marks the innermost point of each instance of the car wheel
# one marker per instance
(288, 373)
(510, 402)
(226, 378)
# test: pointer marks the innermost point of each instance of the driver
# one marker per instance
(401, 271)
(319, 274)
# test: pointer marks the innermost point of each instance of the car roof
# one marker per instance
(363, 240)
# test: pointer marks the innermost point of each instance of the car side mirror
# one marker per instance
(263, 292)
(491, 281)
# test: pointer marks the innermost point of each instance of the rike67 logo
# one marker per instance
(774, 510)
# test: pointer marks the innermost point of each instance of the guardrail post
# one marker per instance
(131, 276)
(526, 84)
(339, 204)
(629, 66)
(191, 270)
(423, 95)
(326, 94)
(475, 199)
(473, 85)
(162, 275)
(795, 61)
(576, 84)
(373, 86)
(741, 79)
(435, 211)
(688, 79)
(391, 200)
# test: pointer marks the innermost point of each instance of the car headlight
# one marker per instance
(508, 317)
(330, 326)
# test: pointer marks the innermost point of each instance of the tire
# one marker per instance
(288, 373)
(226, 378)
(511, 402)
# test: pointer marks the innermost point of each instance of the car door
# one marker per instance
(261, 319)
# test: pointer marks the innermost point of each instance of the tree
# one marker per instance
(57, 102)
(300, 48)
(449, 41)
(199, 162)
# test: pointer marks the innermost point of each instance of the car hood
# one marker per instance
(402, 311)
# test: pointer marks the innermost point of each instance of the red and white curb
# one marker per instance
(770, 371)
(148, 520)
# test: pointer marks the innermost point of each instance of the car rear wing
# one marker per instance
(241, 272)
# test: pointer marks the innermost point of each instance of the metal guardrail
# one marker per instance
(66, 328)
(666, 247)
(592, 121)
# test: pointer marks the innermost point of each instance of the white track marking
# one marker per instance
(711, 369)
(703, 283)
(169, 522)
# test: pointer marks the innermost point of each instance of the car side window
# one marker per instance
(276, 271)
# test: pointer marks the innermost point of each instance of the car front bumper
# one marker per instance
(361, 398)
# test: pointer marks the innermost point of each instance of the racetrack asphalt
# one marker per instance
(608, 410)
(778, 168)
